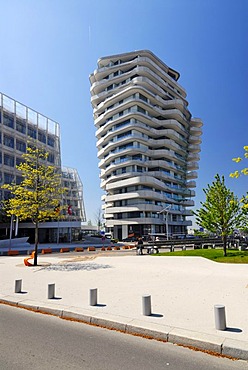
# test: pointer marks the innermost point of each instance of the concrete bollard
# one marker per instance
(51, 291)
(18, 286)
(93, 297)
(220, 317)
(146, 305)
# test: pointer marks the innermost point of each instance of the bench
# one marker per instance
(13, 253)
(167, 247)
(191, 246)
(62, 250)
(46, 250)
(178, 246)
(207, 245)
(91, 249)
(79, 249)
(26, 263)
(218, 245)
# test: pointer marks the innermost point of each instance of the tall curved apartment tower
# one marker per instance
(148, 145)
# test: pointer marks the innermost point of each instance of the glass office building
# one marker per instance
(20, 125)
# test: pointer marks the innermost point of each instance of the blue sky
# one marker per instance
(49, 48)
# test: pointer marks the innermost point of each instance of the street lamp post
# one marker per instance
(166, 209)
(167, 226)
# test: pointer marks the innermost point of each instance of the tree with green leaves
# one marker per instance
(37, 197)
(220, 213)
(244, 171)
(236, 174)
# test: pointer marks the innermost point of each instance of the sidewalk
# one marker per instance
(183, 293)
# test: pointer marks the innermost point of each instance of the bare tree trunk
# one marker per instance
(36, 242)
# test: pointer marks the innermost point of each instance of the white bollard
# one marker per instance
(51, 291)
(146, 305)
(93, 297)
(18, 286)
(220, 317)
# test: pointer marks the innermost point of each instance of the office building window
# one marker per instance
(8, 178)
(8, 119)
(0, 157)
(21, 126)
(42, 137)
(18, 180)
(21, 146)
(50, 158)
(9, 160)
(31, 132)
(50, 141)
(8, 141)
(18, 161)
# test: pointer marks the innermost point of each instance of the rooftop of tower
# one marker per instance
(104, 60)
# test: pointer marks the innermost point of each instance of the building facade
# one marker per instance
(20, 125)
(148, 145)
(73, 199)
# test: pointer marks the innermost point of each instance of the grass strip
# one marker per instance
(233, 256)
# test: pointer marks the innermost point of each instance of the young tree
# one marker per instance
(98, 218)
(220, 213)
(38, 195)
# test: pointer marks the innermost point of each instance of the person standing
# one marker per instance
(140, 246)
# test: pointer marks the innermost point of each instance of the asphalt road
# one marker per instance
(34, 341)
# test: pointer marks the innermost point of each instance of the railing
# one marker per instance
(194, 243)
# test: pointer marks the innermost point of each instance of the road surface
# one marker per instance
(35, 341)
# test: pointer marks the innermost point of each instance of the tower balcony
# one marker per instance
(193, 148)
(193, 157)
(192, 166)
(190, 184)
(197, 131)
(195, 139)
(196, 122)
(191, 175)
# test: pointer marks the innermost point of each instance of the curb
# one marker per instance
(211, 344)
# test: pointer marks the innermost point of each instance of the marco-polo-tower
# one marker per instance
(148, 145)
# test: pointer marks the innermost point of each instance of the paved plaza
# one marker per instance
(184, 291)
